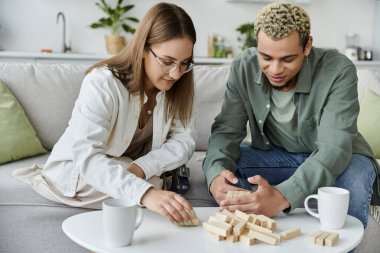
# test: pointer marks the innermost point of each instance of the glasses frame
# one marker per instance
(174, 64)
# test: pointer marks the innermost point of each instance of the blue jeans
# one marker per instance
(277, 165)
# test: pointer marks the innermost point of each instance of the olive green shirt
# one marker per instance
(327, 105)
(281, 123)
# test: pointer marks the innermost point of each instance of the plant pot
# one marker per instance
(115, 43)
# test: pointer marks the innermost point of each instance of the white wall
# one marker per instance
(29, 25)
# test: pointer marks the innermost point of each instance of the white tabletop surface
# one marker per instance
(157, 235)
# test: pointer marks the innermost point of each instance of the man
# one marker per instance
(301, 104)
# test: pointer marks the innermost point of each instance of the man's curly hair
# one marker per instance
(278, 20)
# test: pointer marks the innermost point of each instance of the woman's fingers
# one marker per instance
(177, 207)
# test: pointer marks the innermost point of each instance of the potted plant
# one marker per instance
(247, 35)
(117, 21)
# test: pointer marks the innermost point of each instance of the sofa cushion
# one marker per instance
(32, 219)
(211, 82)
(367, 80)
(18, 137)
(47, 92)
(369, 120)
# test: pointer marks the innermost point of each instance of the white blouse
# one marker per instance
(103, 122)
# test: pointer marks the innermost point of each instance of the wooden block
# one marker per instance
(241, 193)
(222, 217)
(232, 238)
(239, 228)
(262, 237)
(253, 216)
(231, 215)
(258, 228)
(222, 225)
(215, 229)
(247, 239)
(230, 194)
(314, 236)
(277, 236)
(332, 239)
(243, 215)
(321, 238)
(289, 234)
(213, 219)
(270, 223)
(193, 222)
(215, 236)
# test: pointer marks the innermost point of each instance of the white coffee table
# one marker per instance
(158, 235)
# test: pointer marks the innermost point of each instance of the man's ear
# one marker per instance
(308, 46)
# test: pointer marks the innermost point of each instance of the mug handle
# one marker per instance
(140, 217)
(306, 204)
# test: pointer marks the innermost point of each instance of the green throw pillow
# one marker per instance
(18, 138)
(369, 120)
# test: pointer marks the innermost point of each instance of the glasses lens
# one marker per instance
(168, 68)
(189, 67)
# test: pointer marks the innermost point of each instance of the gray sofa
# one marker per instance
(47, 92)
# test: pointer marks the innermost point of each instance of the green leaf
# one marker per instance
(115, 18)
(133, 19)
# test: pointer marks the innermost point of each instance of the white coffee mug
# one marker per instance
(121, 218)
(332, 206)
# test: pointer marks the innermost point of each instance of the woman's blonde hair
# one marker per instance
(163, 22)
(278, 20)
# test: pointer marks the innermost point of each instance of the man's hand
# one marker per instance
(265, 200)
(220, 185)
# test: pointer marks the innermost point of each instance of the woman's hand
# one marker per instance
(172, 206)
(135, 169)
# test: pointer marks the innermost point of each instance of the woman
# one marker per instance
(134, 119)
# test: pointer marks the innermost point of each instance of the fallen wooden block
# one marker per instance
(262, 237)
(222, 217)
(232, 238)
(243, 216)
(247, 239)
(216, 228)
(193, 222)
(258, 228)
(225, 224)
(270, 223)
(289, 234)
(239, 228)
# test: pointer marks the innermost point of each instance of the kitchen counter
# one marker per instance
(85, 58)
(88, 58)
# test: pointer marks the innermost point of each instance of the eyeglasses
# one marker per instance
(169, 66)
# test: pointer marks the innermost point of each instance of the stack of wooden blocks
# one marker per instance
(323, 238)
(247, 228)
